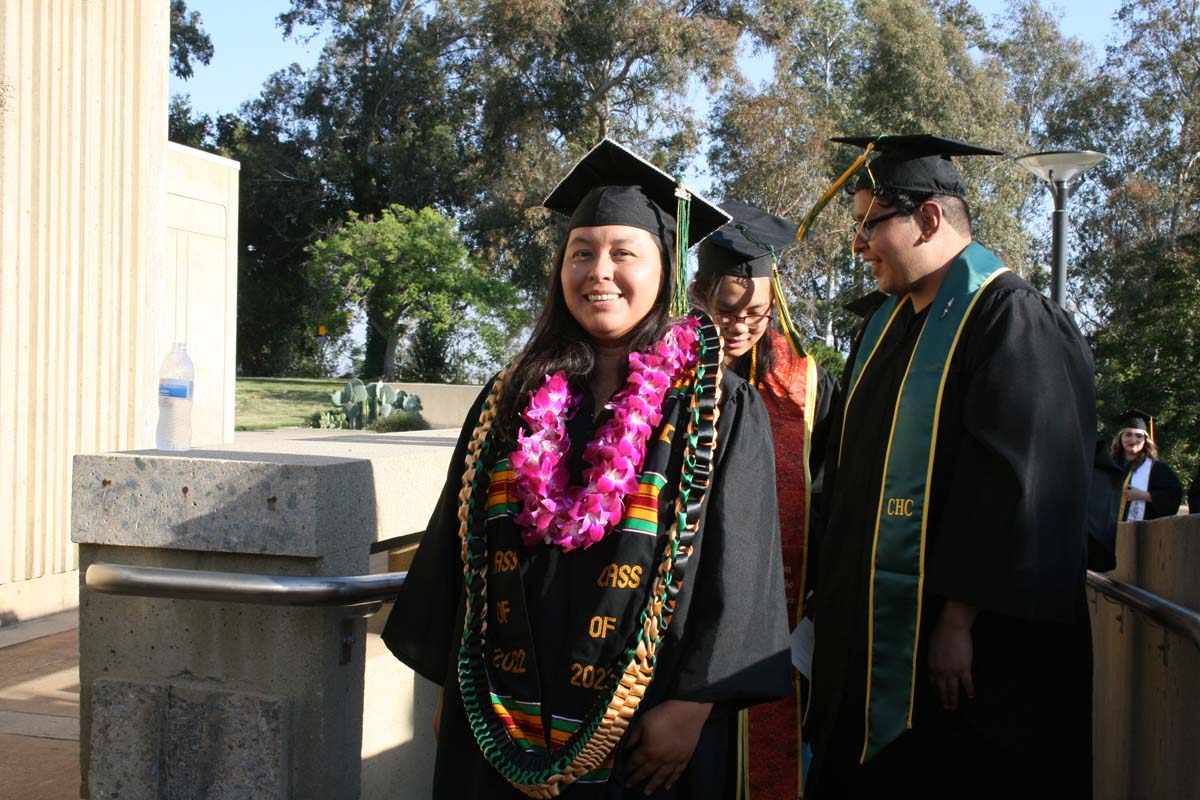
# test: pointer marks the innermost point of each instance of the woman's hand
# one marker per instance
(1133, 494)
(662, 742)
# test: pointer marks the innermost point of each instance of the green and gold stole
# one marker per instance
(898, 549)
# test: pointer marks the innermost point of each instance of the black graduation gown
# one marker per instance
(828, 396)
(1104, 501)
(1166, 491)
(1005, 533)
(727, 643)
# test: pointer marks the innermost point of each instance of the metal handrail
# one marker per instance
(1163, 612)
(240, 587)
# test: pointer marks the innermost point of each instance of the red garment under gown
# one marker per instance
(773, 735)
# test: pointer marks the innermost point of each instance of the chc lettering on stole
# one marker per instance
(900, 507)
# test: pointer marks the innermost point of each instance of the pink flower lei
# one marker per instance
(557, 513)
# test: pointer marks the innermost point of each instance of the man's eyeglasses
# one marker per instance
(751, 320)
(866, 229)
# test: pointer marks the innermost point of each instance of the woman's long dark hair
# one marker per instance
(703, 294)
(559, 342)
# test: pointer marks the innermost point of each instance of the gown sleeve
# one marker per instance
(1010, 537)
(420, 629)
(734, 650)
(828, 392)
(1166, 491)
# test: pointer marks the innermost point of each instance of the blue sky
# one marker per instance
(249, 47)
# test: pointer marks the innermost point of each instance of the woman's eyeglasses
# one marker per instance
(750, 320)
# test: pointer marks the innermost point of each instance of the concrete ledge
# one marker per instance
(235, 503)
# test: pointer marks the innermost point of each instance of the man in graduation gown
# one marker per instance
(953, 647)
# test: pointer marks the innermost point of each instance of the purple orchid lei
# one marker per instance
(553, 511)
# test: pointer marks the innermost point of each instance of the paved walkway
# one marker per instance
(39, 709)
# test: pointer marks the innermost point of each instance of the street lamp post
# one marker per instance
(1058, 168)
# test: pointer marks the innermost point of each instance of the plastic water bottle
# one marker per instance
(175, 389)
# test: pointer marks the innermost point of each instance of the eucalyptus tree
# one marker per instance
(875, 66)
(770, 144)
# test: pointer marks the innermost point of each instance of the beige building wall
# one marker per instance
(92, 280)
(201, 270)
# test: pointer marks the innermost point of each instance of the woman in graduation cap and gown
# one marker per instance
(1151, 488)
(953, 649)
(736, 282)
(596, 599)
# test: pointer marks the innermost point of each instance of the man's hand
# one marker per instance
(950, 652)
(662, 742)
(1133, 494)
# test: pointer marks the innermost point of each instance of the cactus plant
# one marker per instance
(361, 405)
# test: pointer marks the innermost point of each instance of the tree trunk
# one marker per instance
(373, 354)
(389, 357)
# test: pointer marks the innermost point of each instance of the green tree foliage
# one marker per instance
(476, 107)
(1148, 353)
(404, 271)
(186, 127)
(189, 40)
(1138, 220)
(919, 75)
(284, 206)
(882, 66)
(380, 119)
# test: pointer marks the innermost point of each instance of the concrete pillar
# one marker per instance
(193, 699)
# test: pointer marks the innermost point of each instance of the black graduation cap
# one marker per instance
(612, 185)
(743, 248)
(1137, 420)
(918, 163)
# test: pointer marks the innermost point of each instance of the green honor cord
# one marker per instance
(683, 214)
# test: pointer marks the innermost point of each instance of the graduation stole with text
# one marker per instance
(609, 584)
(898, 549)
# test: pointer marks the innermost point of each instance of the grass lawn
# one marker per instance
(267, 403)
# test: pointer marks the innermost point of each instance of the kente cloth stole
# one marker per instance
(898, 549)
(608, 584)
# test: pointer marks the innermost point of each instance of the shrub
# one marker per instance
(401, 421)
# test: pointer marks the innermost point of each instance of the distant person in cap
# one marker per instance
(735, 283)
(953, 646)
(599, 589)
(1151, 488)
